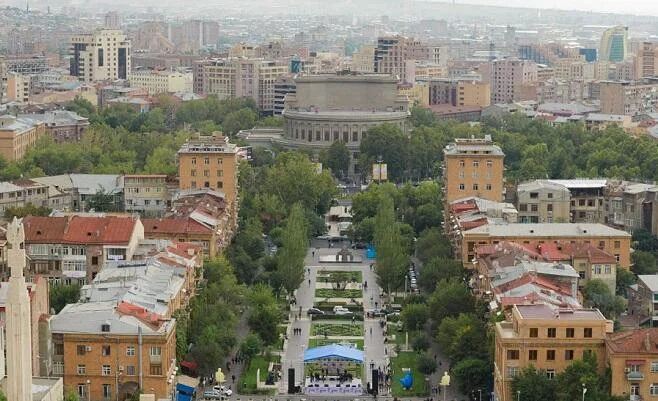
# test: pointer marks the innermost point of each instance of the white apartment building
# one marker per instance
(100, 56)
(157, 82)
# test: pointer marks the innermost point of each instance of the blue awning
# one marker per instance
(333, 351)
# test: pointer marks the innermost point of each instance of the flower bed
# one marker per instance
(331, 293)
(346, 329)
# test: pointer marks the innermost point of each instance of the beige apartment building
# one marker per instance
(547, 338)
(543, 202)
(633, 359)
(646, 60)
(458, 92)
(393, 52)
(473, 167)
(18, 87)
(507, 76)
(627, 98)
(573, 69)
(363, 60)
(146, 194)
(100, 56)
(157, 82)
(17, 135)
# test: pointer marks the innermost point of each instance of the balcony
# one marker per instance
(634, 376)
(635, 397)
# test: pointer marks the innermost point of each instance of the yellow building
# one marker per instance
(633, 359)
(156, 82)
(547, 338)
(474, 93)
(615, 242)
(363, 60)
(18, 87)
(17, 135)
(145, 194)
(473, 167)
(418, 94)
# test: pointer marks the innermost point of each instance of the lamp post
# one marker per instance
(584, 391)
(88, 390)
(518, 395)
(480, 392)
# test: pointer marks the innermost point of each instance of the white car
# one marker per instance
(223, 390)
(341, 310)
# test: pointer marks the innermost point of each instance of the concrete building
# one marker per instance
(587, 199)
(75, 248)
(646, 60)
(643, 299)
(627, 98)
(18, 87)
(393, 52)
(507, 76)
(473, 167)
(61, 125)
(17, 135)
(613, 241)
(363, 60)
(633, 359)
(632, 205)
(418, 94)
(543, 201)
(100, 56)
(329, 107)
(423, 71)
(21, 193)
(458, 92)
(146, 194)
(105, 351)
(548, 338)
(157, 82)
(573, 69)
(283, 85)
(614, 44)
(75, 190)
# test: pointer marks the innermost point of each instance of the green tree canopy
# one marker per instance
(449, 299)
(62, 295)
(534, 385)
(390, 143)
(598, 295)
(338, 159)
(392, 259)
(295, 244)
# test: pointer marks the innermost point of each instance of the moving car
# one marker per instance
(223, 390)
(341, 310)
(212, 395)
(314, 311)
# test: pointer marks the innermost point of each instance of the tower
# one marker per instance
(19, 353)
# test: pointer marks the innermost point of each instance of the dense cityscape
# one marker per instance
(403, 200)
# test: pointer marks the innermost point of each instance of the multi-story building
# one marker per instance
(75, 190)
(363, 60)
(100, 56)
(282, 86)
(423, 71)
(547, 338)
(573, 69)
(543, 202)
(210, 163)
(26, 65)
(628, 98)
(21, 193)
(643, 300)
(17, 135)
(633, 360)
(587, 199)
(632, 205)
(75, 248)
(146, 194)
(331, 107)
(157, 82)
(473, 167)
(614, 44)
(393, 52)
(646, 60)
(106, 351)
(418, 93)
(507, 76)
(457, 92)
(61, 125)
(613, 241)
(623, 71)
(18, 87)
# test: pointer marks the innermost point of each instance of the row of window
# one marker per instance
(106, 370)
(206, 160)
(83, 391)
(206, 184)
(106, 350)
(514, 354)
(476, 187)
(206, 173)
(570, 332)
(476, 163)
(135, 190)
(475, 175)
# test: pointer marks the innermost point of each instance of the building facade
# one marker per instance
(155, 83)
(646, 60)
(146, 194)
(543, 202)
(614, 44)
(100, 56)
(17, 135)
(18, 87)
(627, 98)
(507, 76)
(633, 359)
(473, 167)
(459, 92)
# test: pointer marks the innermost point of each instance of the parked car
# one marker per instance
(314, 311)
(377, 313)
(212, 395)
(341, 310)
(223, 390)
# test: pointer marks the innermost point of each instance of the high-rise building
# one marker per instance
(363, 60)
(459, 92)
(473, 167)
(100, 56)
(112, 20)
(646, 60)
(507, 76)
(614, 44)
(18, 87)
(392, 53)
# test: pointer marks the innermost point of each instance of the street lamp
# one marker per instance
(584, 391)
(88, 390)
(480, 391)
(518, 395)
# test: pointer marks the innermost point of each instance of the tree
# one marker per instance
(450, 298)
(472, 374)
(421, 116)
(391, 260)
(433, 244)
(426, 364)
(390, 143)
(239, 120)
(208, 348)
(69, 395)
(264, 314)
(534, 162)
(250, 347)
(598, 295)
(81, 106)
(644, 262)
(439, 269)
(534, 385)
(295, 244)
(578, 373)
(3, 397)
(182, 321)
(421, 342)
(624, 280)
(101, 201)
(338, 159)
(462, 337)
(62, 295)
(414, 316)
(27, 210)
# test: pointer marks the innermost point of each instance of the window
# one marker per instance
(461, 187)
(220, 173)
(587, 332)
(489, 163)
(106, 370)
(155, 351)
(568, 355)
(461, 174)
(82, 369)
(488, 187)
(206, 160)
(193, 184)
(81, 349)
(654, 366)
(581, 202)
(608, 269)
(194, 160)
(534, 195)
(550, 373)
(130, 370)
(523, 207)
(570, 332)
(653, 389)
(550, 355)
(59, 349)
(601, 244)
(130, 350)
(107, 391)
(476, 163)
(534, 332)
(220, 160)
(617, 244)
(551, 332)
(513, 354)
(206, 173)
(532, 355)
(549, 207)
(462, 163)
(193, 173)
(220, 184)
(534, 207)
(550, 195)
(475, 187)
(512, 372)
(155, 370)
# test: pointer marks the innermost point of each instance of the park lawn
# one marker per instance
(247, 383)
(318, 342)
(407, 360)
(344, 329)
(332, 293)
(339, 275)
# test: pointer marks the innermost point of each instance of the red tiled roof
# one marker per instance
(461, 207)
(548, 250)
(468, 225)
(589, 251)
(643, 341)
(152, 319)
(182, 248)
(176, 225)
(79, 230)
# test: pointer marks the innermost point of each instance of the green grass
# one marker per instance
(325, 276)
(318, 342)
(247, 384)
(331, 293)
(337, 329)
(407, 360)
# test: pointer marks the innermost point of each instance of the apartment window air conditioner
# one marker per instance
(88, 349)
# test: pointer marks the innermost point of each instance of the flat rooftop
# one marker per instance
(549, 230)
(543, 311)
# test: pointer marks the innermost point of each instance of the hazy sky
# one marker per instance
(638, 7)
